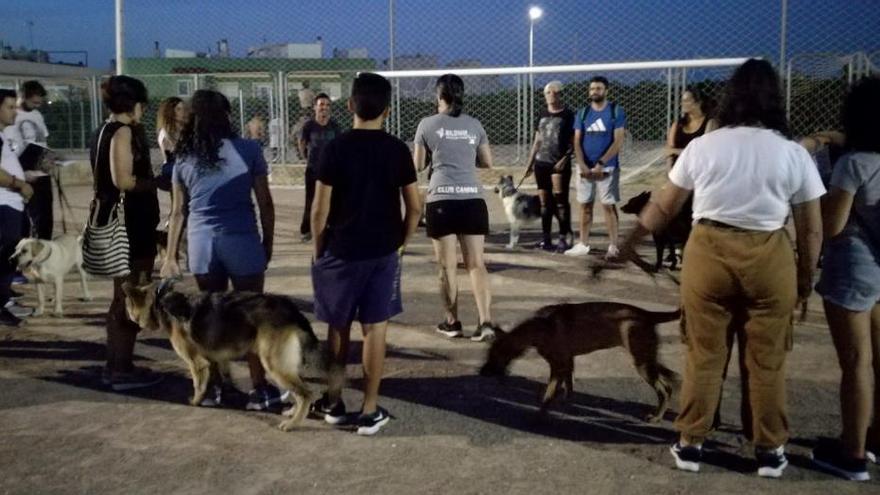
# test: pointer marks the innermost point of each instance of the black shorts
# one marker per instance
(544, 172)
(458, 217)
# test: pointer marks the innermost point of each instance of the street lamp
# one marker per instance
(535, 13)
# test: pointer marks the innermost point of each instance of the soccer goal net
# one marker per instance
(507, 100)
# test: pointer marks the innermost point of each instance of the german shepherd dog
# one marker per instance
(519, 208)
(676, 233)
(211, 329)
(562, 331)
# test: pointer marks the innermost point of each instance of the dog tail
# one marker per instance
(664, 316)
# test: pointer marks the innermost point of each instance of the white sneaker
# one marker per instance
(613, 252)
(579, 249)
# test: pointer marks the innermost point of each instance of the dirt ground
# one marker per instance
(452, 432)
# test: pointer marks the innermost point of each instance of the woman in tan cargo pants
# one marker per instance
(740, 275)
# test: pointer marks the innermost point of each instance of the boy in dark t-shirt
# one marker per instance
(359, 235)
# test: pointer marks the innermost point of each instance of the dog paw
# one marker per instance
(58, 314)
(86, 299)
(288, 425)
(653, 418)
(509, 246)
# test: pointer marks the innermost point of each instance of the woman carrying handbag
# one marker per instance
(125, 195)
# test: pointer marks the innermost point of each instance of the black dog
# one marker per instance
(676, 233)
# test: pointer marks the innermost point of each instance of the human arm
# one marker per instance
(819, 139)
(122, 163)
(13, 183)
(808, 230)
(613, 150)
(671, 150)
(320, 212)
(484, 155)
(532, 153)
(579, 159)
(419, 156)
(412, 202)
(267, 212)
(179, 197)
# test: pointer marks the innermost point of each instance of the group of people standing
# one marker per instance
(744, 179)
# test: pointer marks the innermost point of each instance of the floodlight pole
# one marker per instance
(783, 34)
(120, 38)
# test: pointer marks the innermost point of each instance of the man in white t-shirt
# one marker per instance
(14, 193)
(30, 127)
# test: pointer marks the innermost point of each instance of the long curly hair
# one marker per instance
(209, 123)
(165, 116)
(753, 97)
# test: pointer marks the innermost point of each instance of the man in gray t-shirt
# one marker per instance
(453, 142)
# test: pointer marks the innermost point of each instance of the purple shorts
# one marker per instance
(367, 291)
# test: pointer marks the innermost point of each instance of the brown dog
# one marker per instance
(209, 330)
(563, 331)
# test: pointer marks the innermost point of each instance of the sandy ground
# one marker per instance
(452, 432)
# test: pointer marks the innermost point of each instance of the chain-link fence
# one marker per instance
(263, 56)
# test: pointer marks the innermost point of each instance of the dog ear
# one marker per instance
(38, 248)
(177, 305)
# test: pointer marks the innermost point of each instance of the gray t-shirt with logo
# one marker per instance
(453, 142)
(859, 175)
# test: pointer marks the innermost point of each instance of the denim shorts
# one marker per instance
(850, 274)
(367, 291)
(237, 255)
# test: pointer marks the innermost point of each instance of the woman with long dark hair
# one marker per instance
(120, 159)
(697, 118)
(214, 175)
(455, 207)
(746, 178)
(850, 284)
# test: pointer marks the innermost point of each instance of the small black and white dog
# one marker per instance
(520, 208)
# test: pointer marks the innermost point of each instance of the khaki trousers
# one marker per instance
(741, 283)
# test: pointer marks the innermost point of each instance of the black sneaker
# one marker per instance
(451, 330)
(370, 424)
(546, 245)
(264, 397)
(828, 456)
(332, 414)
(132, 380)
(687, 458)
(486, 331)
(8, 319)
(222, 395)
(305, 238)
(771, 462)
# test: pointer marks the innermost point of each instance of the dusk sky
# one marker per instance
(493, 31)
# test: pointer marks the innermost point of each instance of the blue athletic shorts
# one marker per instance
(367, 291)
(238, 255)
(850, 274)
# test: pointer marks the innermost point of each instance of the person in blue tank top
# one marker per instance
(214, 175)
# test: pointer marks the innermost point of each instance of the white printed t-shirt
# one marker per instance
(10, 164)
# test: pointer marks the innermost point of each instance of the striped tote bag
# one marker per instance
(105, 247)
